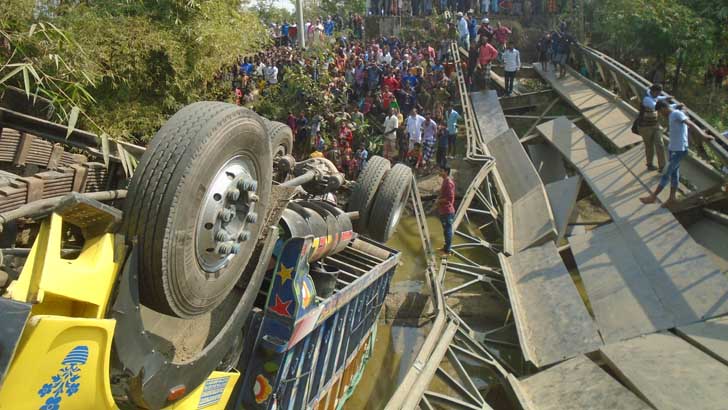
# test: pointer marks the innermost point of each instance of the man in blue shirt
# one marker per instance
(472, 25)
(679, 123)
(452, 118)
(284, 32)
(329, 27)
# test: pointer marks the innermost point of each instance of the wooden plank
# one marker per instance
(710, 336)
(552, 321)
(577, 92)
(491, 120)
(621, 297)
(547, 161)
(576, 384)
(615, 122)
(669, 373)
(562, 197)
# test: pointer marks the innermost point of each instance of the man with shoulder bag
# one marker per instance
(648, 127)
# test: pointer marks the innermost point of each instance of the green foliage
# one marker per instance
(652, 28)
(268, 12)
(128, 64)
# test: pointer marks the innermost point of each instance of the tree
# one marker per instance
(662, 29)
(126, 65)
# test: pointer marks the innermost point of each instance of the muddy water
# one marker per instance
(396, 345)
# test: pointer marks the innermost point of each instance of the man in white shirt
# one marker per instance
(679, 124)
(271, 74)
(463, 31)
(391, 123)
(511, 63)
(414, 128)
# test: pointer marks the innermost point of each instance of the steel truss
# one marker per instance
(451, 351)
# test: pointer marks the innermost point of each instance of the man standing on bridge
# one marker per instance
(649, 128)
(678, 147)
(486, 55)
(446, 207)
(511, 63)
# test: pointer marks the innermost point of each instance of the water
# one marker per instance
(397, 346)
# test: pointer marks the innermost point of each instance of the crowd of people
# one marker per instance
(404, 91)
(428, 7)
(317, 30)
(554, 47)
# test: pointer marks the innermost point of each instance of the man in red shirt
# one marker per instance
(446, 207)
(502, 34)
(386, 98)
(486, 55)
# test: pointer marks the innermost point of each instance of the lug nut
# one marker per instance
(233, 194)
(226, 215)
(253, 186)
(244, 183)
(253, 198)
(252, 217)
(235, 249)
(244, 236)
(222, 235)
(224, 248)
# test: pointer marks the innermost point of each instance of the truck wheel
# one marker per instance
(389, 202)
(281, 143)
(281, 138)
(196, 205)
(362, 197)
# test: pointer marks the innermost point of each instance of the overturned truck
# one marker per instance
(221, 278)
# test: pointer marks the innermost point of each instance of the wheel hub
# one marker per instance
(227, 213)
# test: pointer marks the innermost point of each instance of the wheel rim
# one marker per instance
(228, 209)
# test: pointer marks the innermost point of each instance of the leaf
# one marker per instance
(72, 120)
(26, 81)
(32, 30)
(11, 74)
(105, 148)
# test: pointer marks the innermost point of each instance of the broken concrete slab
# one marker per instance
(562, 197)
(548, 162)
(552, 321)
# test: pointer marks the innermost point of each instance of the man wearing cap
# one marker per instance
(649, 128)
(485, 32)
(463, 31)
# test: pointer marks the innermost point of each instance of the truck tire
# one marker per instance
(389, 202)
(195, 236)
(281, 143)
(281, 138)
(365, 188)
